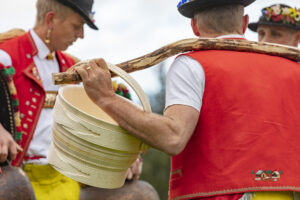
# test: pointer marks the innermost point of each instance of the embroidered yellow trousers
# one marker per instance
(49, 184)
(273, 196)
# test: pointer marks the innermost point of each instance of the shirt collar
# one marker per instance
(43, 50)
(231, 36)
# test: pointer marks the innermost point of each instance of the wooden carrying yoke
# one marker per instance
(186, 45)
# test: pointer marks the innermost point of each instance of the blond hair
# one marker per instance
(45, 6)
(221, 20)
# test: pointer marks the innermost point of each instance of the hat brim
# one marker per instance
(188, 9)
(77, 9)
(253, 26)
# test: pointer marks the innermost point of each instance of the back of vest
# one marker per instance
(247, 137)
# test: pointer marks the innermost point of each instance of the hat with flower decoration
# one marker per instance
(83, 8)
(278, 15)
(188, 7)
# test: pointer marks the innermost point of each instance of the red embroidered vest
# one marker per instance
(248, 133)
(28, 84)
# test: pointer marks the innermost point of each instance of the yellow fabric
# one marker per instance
(49, 184)
(286, 195)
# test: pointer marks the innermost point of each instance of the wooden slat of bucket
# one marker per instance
(186, 45)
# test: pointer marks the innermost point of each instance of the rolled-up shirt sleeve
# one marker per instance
(185, 83)
(5, 58)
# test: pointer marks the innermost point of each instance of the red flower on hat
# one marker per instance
(277, 18)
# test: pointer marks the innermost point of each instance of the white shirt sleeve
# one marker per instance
(185, 83)
(5, 58)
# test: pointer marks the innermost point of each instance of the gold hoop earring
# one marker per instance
(47, 39)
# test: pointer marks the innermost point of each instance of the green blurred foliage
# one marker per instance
(156, 170)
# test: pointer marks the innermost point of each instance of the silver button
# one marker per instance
(25, 125)
(30, 90)
(22, 116)
(34, 100)
(27, 103)
(63, 61)
(30, 113)
(28, 56)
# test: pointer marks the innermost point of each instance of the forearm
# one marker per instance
(158, 131)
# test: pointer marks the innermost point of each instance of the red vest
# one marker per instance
(28, 84)
(248, 133)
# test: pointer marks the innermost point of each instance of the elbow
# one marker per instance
(175, 146)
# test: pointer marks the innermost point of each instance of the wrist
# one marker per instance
(105, 101)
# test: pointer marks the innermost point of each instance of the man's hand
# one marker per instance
(96, 80)
(134, 172)
(7, 144)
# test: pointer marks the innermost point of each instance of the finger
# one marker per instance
(129, 175)
(19, 148)
(139, 170)
(101, 63)
(92, 68)
(3, 153)
(13, 150)
(82, 72)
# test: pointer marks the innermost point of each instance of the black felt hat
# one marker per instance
(188, 7)
(278, 15)
(83, 8)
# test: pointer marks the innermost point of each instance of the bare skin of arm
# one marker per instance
(7, 144)
(168, 133)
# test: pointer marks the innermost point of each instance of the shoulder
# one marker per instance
(186, 66)
(11, 48)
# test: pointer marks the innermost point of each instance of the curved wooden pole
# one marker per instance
(186, 45)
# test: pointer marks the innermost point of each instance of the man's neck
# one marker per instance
(215, 35)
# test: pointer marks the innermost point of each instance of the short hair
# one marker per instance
(44, 6)
(221, 19)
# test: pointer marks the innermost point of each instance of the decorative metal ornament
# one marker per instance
(47, 39)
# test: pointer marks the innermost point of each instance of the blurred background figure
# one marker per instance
(279, 24)
(14, 185)
(34, 56)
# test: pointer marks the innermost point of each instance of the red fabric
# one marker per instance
(249, 121)
(33, 157)
(29, 87)
(222, 197)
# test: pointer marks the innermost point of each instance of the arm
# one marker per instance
(7, 144)
(169, 133)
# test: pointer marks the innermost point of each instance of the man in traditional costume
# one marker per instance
(35, 55)
(231, 121)
(278, 23)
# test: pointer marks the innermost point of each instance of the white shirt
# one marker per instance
(41, 140)
(186, 81)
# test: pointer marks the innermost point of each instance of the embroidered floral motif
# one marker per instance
(267, 175)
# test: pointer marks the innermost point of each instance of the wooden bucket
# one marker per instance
(89, 146)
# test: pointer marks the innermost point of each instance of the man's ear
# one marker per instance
(49, 18)
(195, 27)
(245, 23)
